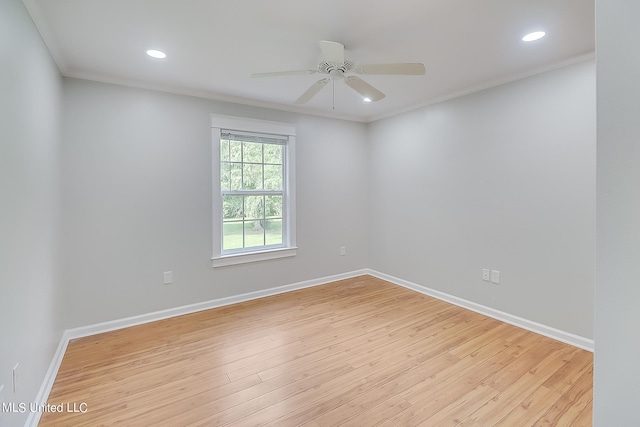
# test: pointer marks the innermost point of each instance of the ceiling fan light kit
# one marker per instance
(335, 67)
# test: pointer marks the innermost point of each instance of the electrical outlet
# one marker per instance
(485, 274)
(15, 378)
(168, 277)
(343, 250)
(495, 276)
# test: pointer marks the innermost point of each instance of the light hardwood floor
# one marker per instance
(358, 352)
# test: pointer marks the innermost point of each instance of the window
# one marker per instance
(252, 186)
(254, 192)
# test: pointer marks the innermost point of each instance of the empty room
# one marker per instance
(341, 213)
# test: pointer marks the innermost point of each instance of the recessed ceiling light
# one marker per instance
(367, 100)
(533, 36)
(156, 54)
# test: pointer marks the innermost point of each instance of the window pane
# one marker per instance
(253, 233)
(231, 235)
(235, 171)
(224, 150)
(252, 177)
(235, 151)
(253, 191)
(273, 232)
(253, 207)
(273, 177)
(232, 207)
(252, 152)
(273, 154)
(225, 176)
(273, 206)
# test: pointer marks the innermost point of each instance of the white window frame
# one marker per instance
(220, 123)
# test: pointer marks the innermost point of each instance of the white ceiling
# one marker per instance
(214, 46)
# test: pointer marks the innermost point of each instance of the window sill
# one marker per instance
(235, 259)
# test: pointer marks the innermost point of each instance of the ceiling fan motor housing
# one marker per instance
(334, 69)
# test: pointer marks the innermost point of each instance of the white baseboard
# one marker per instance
(113, 325)
(47, 383)
(539, 328)
(98, 328)
(69, 334)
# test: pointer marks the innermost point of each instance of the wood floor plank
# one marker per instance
(280, 402)
(452, 414)
(203, 405)
(356, 352)
(571, 403)
(378, 414)
(350, 402)
(450, 387)
(500, 406)
(585, 416)
(314, 402)
(468, 422)
(530, 407)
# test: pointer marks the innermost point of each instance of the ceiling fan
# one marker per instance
(336, 67)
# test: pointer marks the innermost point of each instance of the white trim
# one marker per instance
(99, 328)
(43, 394)
(288, 248)
(216, 96)
(84, 331)
(113, 325)
(538, 328)
(216, 197)
(242, 258)
(486, 85)
(252, 125)
(38, 18)
(41, 24)
(206, 94)
(290, 193)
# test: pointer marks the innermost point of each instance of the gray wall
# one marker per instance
(137, 201)
(617, 353)
(501, 179)
(504, 179)
(30, 90)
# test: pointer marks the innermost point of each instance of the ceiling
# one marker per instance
(213, 46)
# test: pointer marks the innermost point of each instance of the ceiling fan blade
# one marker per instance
(363, 88)
(407, 69)
(284, 73)
(311, 92)
(332, 52)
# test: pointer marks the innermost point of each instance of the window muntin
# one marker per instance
(252, 185)
(229, 181)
